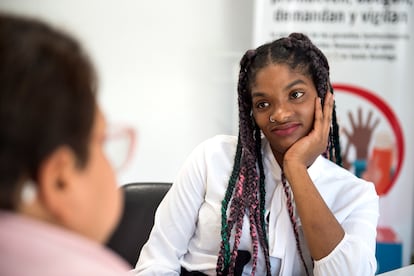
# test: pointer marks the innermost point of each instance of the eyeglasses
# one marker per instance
(119, 145)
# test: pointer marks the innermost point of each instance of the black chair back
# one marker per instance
(140, 203)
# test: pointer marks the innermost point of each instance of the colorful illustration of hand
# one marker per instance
(360, 136)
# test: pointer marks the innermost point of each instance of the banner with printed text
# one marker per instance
(369, 46)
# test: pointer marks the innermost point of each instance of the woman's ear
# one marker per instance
(55, 184)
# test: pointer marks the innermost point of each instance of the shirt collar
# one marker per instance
(315, 169)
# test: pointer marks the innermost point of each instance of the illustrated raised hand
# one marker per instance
(359, 137)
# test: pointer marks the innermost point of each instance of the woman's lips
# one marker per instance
(285, 130)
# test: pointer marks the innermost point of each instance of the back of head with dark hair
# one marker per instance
(47, 100)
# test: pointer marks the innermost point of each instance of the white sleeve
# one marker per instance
(355, 254)
(175, 220)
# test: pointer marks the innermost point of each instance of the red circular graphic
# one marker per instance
(391, 118)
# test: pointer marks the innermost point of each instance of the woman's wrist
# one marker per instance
(292, 168)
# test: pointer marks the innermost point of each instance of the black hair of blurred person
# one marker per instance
(47, 99)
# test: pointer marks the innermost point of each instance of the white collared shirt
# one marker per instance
(187, 224)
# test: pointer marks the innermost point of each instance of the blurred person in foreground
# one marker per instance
(59, 200)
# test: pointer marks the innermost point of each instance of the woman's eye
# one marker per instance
(262, 105)
(297, 94)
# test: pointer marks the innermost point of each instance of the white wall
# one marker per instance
(166, 68)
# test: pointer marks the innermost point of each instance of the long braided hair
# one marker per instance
(246, 188)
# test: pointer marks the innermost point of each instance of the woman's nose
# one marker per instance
(281, 113)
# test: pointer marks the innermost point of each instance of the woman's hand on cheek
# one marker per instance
(307, 149)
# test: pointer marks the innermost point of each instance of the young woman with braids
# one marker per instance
(266, 202)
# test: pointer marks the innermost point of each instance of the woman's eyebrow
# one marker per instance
(258, 94)
(293, 83)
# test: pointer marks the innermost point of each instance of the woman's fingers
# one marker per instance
(328, 106)
(323, 116)
(327, 112)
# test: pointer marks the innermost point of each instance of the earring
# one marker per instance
(271, 120)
